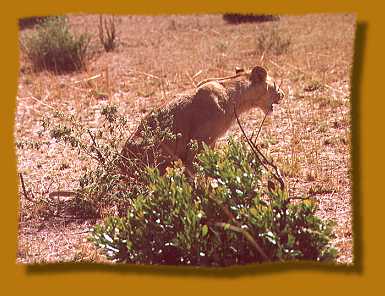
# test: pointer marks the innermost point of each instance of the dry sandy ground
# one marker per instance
(308, 135)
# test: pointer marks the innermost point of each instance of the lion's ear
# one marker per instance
(239, 70)
(258, 74)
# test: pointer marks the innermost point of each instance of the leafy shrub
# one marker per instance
(104, 186)
(101, 186)
(224, 216)
(53, 47)
(228, 213)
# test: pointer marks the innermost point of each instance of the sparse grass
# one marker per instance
(53, 47)
(271, 40)
(313, 86)
(107, 32)
(27, 22)
(164, 56)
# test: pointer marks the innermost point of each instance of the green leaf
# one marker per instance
(290, 240)
(226, 226)
(254, 212)
(205, 230)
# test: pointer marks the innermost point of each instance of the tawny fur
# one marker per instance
(205, 115)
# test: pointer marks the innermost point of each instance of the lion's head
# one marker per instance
(263, 91)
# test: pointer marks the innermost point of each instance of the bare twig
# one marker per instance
(37, 100)
(259, 154)
(146, 74)
(261, 60)
(23, 186)
(238, 227)
(80, 232)
(259, 130)
(134, 157)
(336, 90)
(278, 66)
(63, 193)
(247, 236)
(108, 80)
(100, 156)
(107, 32)
(191, 79)
(88, 79)
(197, 74)
(299, 198)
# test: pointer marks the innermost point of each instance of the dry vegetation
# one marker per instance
(308, 135)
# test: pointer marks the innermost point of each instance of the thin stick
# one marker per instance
(249, 142)
(258, 153)
(336, 90)
(37, 100)
(23, 186)
(197, 74)
(262, 58)
(64, 193)
(275, 64)
(88, 79)
(259, 130)
(246, 235)
(107, 81)
(237, 228)
(146, 74)
(191, 79)
(96, 146)
(79, 232)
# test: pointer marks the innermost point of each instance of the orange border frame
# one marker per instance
(263, 279)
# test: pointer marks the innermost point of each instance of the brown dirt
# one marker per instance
(308, 135)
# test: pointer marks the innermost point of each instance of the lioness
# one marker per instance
(204, 116)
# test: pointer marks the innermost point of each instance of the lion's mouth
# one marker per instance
(270, 108)
(277, 100)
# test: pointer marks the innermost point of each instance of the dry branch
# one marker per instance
(146, 74)
(64, 193)
(37, 100)
(88, 79)
(259, 131)
(259, 154)
(23, 186)
(247, 236)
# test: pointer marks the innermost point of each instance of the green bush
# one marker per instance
(228, 212)
(102, 185)
(27, 22)
(53, 47)
(224, 216)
